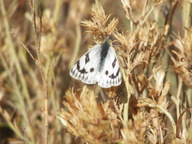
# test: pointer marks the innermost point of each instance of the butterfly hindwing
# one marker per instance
(85, 69)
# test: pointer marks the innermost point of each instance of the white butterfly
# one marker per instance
(98, 65)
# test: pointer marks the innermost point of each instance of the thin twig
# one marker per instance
(178, 95)
(26, 48)
(40, 67)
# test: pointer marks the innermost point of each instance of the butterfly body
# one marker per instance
(98, 65)
(104, 51)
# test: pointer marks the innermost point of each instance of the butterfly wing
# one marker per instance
(110, 74)
(86, 68)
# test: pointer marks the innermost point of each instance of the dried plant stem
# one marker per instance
(144, 8)
(167, 30)
(31, 55)
(188, 93)
(40, 67)
(56, 10)
(77, 46)
(144, 19)
(14, 55)
(126, 112)
(186, 15)
(126, 105)
(169, 18)
(178, 95)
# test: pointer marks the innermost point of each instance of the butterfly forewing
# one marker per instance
(85, 69)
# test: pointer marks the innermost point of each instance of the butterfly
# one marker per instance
(98, 65)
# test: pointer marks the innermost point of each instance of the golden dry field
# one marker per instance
(40, 41)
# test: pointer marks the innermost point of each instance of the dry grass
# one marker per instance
(41, 103)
